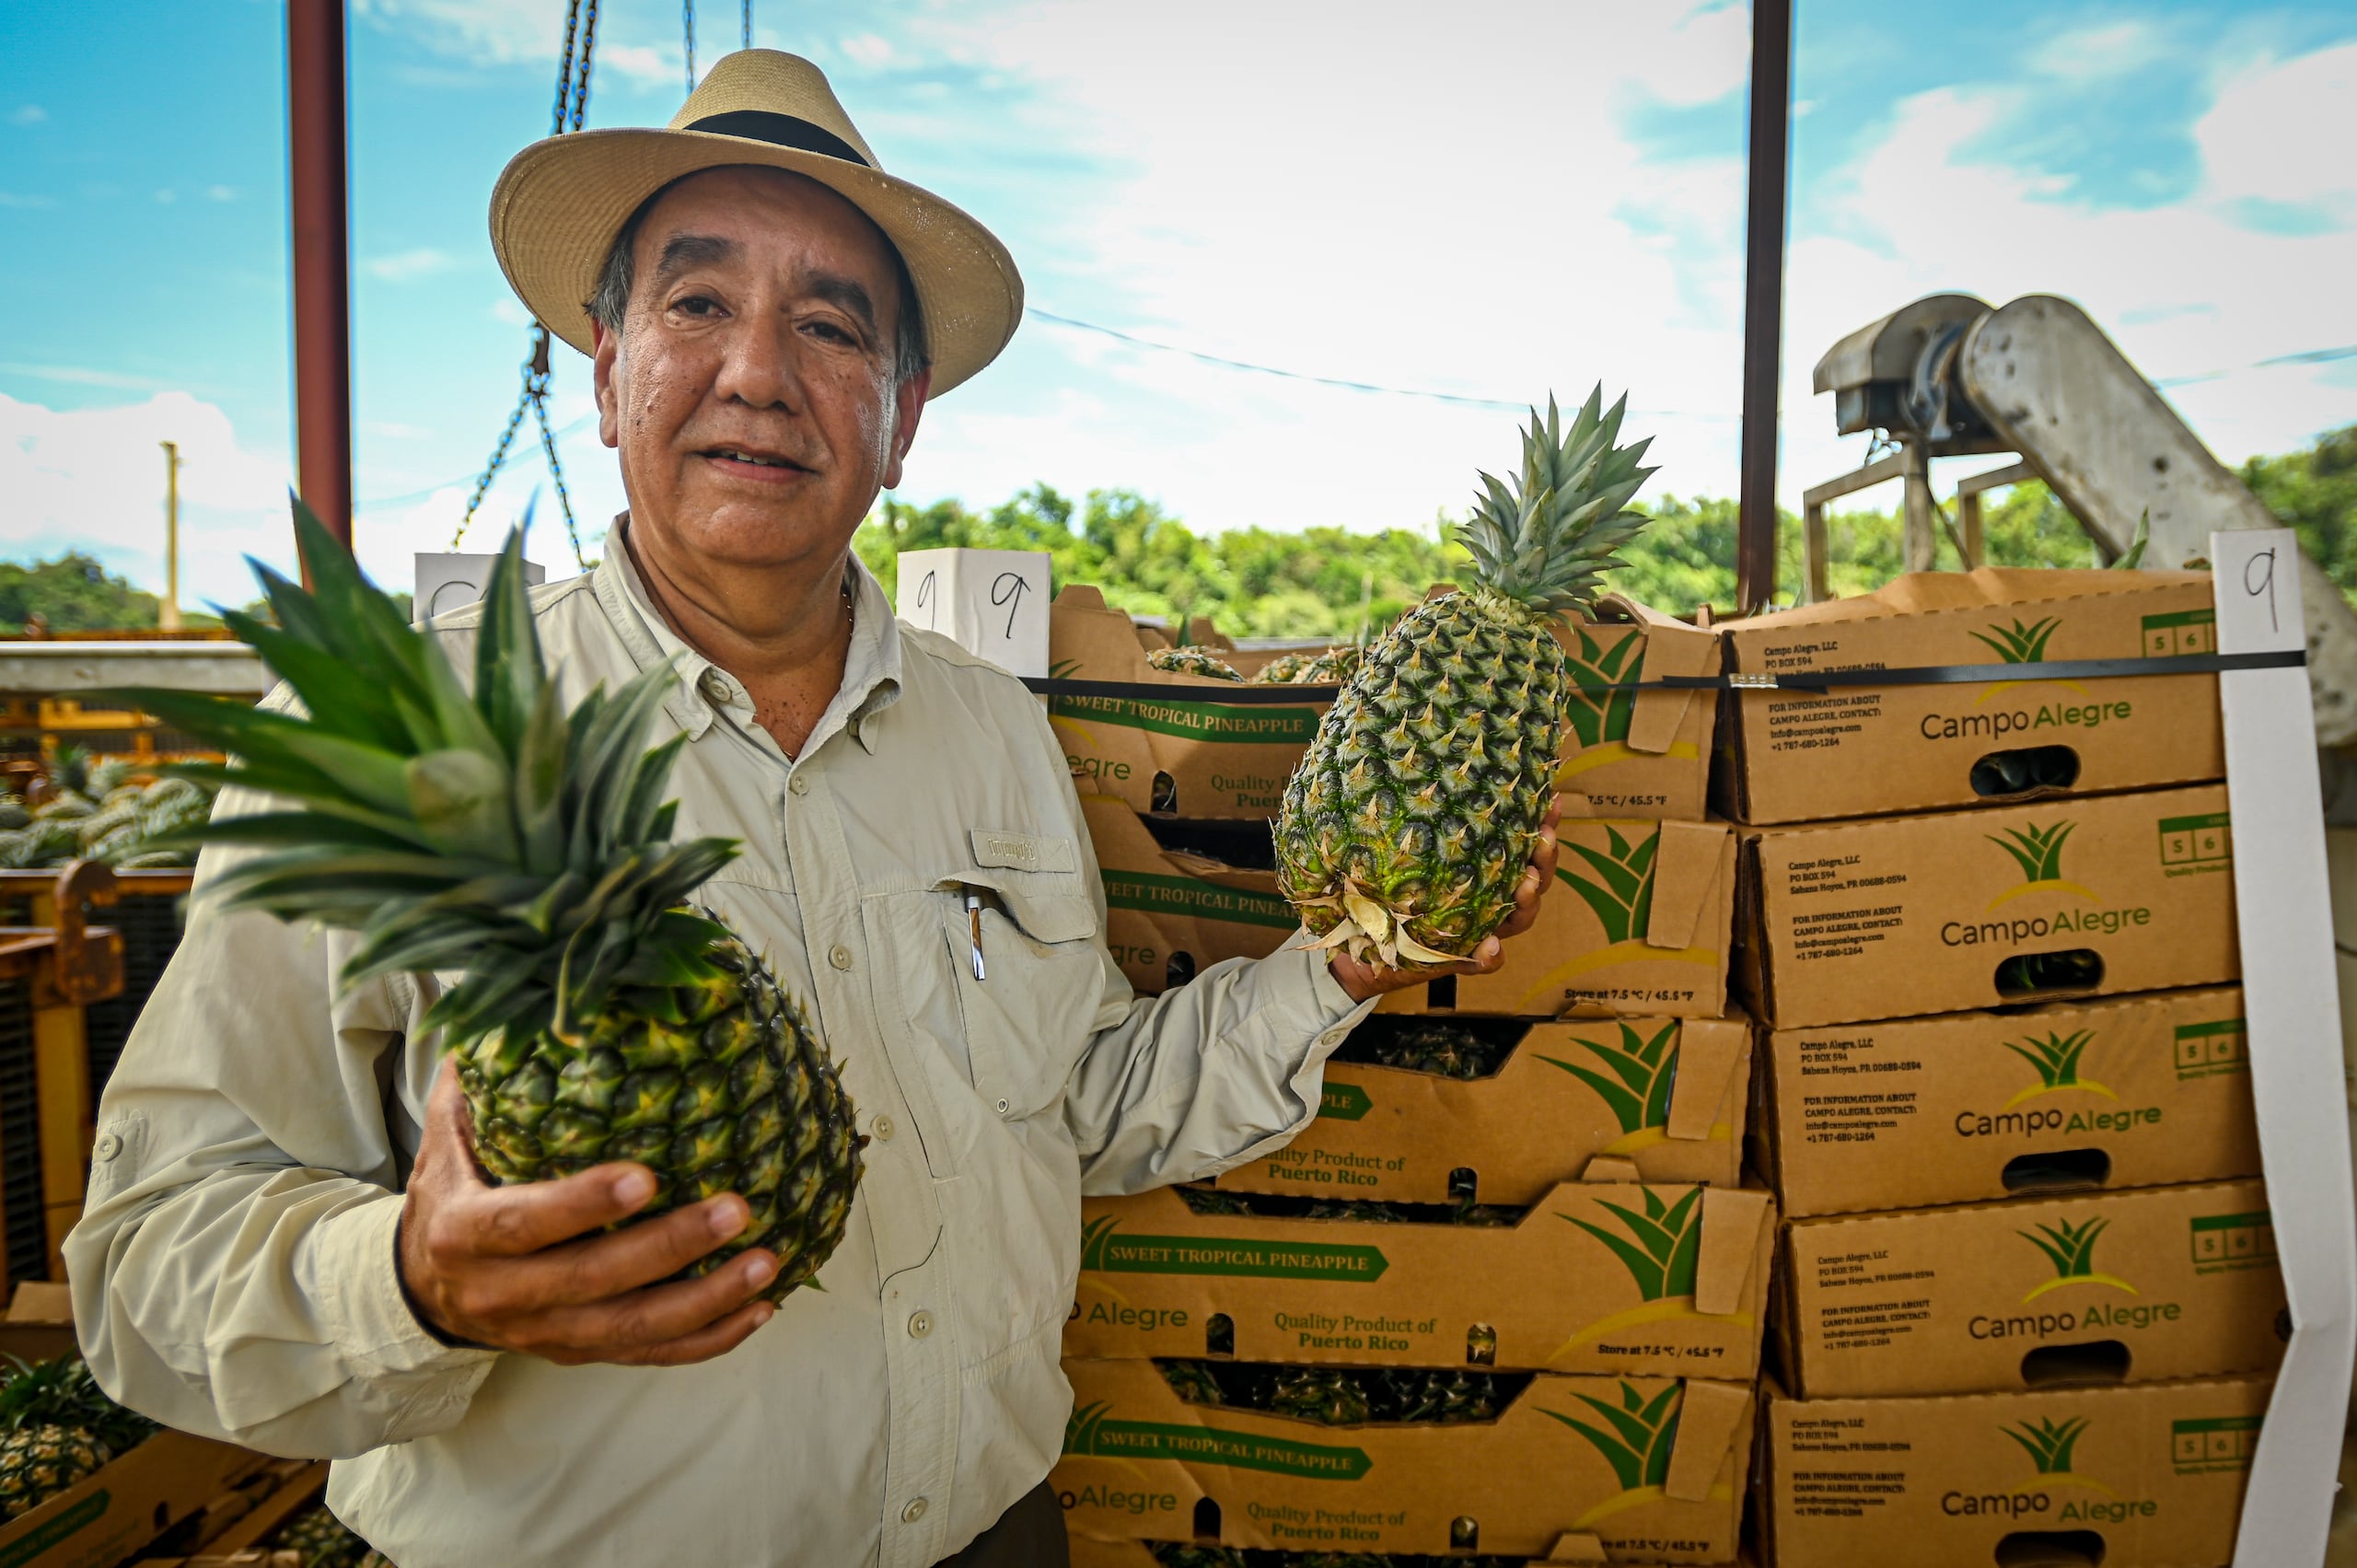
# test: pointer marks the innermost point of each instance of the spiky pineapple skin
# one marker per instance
(37, 1463)
(1192, 660)
(318, 1539)
(741, 1097)
(1430, 777)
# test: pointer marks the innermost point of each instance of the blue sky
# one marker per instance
(1489, 199)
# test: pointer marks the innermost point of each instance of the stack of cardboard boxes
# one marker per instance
(2026, 1301)
(1514, 1303)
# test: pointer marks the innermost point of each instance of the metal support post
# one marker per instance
(1763, 298)
(322, 249)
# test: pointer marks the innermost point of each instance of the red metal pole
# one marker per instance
(322, 244)
(1763, 299)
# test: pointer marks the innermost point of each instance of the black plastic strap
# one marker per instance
(1815, 681)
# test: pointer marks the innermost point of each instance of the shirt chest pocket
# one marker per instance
(1030, 1012)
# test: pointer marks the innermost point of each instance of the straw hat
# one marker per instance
(560, 202)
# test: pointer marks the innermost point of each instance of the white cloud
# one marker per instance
(505, 32)
(2280, 134)
(405, 265)
(2088, 54)
(166, 197)
(83, 376)
(222, 193)
(11, 199)
(867, 48)
(27, 114)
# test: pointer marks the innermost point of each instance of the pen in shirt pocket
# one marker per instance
(974, 927)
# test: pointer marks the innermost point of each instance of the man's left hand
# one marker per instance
(1364, 981)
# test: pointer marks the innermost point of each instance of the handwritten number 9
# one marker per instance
(2259, 577)
(1007, 590)
(925, 599)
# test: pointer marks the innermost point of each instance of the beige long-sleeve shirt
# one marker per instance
(233, 1273)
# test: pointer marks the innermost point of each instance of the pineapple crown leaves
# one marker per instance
(2071, 1248)
(2132, 557)
(1622, 897)
(2020, 643)
(1646, 1071)
(2049, 1442)
(1638, 1436)
(2038, 851)
(489, 829)
(1668, 1246)
(1544, 538)
(2055, 1056)
(64, 1392)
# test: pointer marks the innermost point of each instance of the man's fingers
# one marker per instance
(1525, 904)
(507, 1222)
(1544, 854)
(653, 1316)
(717, 1338)
(598, 1268)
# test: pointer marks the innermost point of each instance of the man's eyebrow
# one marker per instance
(684, 251)
(849, 293)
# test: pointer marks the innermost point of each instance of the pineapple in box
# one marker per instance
(1405, 829)
(495, 832)
(1192, 660)
(59, 1428)
(318, 1539)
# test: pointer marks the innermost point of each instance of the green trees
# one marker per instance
(73, 593)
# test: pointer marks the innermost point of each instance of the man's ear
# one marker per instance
(909, 401)
(605, 352)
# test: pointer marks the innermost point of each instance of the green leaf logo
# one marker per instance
(1093, 1238)
(1080, 1428)
(1667, 1245)
(1622, 895)
(2049, 1442)
(2055, 1058)
(2072, 1250)
(2039, 852)
(1598, 712)
(1644, 1072)
(1636, 1436)
(2019, 644)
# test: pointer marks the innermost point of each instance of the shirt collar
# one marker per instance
(705, 694)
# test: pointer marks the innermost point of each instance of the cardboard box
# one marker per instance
(1087, 1551)
(2135, 1286)
(2144, 1477)
(256, 1509)
(126, 1505)
(1794, 757)
(40, 1323)
(1670, 1095)
(1214, 759)
(1970, 1107)
(1596, 1277)
(1641, 921)
(1896, 916)
(1170, 915)
(1649, 1469)
(1636, 753)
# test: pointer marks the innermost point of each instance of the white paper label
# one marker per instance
(993, 603)
(446, 582)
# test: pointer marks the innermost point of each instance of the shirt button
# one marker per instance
(919, 1325)
(1001, 1108)
(107, 1147)
(800, 783)
(883, 1129)
(839, 956)
(913, 1512)
(715, 685)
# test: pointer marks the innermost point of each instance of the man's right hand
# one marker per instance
(532, 1267)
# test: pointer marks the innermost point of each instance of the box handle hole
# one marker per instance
(2071, 970)
(2057, 1170)
(2050, 1548)
(1219, 1334)
(1178, 971)
(2094, 1363)
(1165, 793)
(1206, 1519)
(1464, 1533)
(2029, 771)
(1441, 994)
(1480, 1345)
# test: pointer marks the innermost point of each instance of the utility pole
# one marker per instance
(167, 616)
(317, 199)
(1763, 299)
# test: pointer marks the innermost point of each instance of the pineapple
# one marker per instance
(1321, 1393)
(60, 1429)
(1192, 660)
(12, 810)
(1190, 1554)
(1283, 670)
(597, 1019)
(1444, 1397)
(318, 1539)
(1405, 829)
(1334, 667)
(1192, 1381)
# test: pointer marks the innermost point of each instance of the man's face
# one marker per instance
(750, 392)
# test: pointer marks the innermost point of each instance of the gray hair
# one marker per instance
(611, 302)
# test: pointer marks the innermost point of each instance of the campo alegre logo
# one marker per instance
(1662, 1250)
(1622, 895)
(2049, 1443)
(1599, 706)
(2020, 643)
(1637, 1090)
(2072, 1250)
(2039, 852)
(1635, 1438)
(2056, 1057)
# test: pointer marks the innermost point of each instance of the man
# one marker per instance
(288, 1242)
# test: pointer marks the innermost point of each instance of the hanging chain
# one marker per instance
(572, 102)
(688, 23)
(748, 24)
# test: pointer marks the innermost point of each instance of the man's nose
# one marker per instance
(759, 366)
